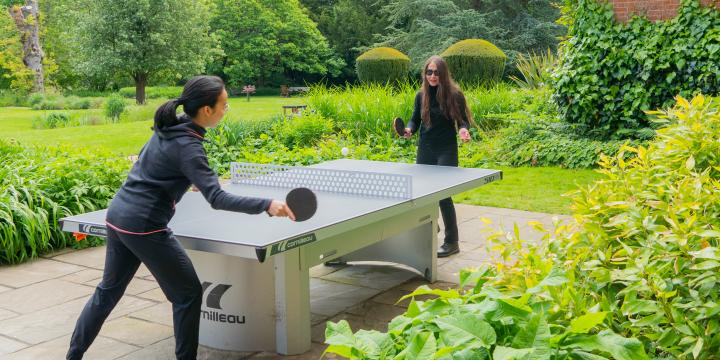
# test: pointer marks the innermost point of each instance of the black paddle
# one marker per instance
(302, 202)
(399, 125)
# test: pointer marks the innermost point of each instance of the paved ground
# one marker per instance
(40, 300)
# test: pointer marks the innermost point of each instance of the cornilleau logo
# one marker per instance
(96, 230)
(292, 243)
(212, 301)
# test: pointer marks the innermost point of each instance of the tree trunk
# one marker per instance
(140, 83)
(26, 21)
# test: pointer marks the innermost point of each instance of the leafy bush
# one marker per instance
(114, 107)
(382, 65)
(75, 102)
(36, 98)
(475, 61)
(153, 92)
(39, 101)
(38, 186)
(12, 98)
(610, 73)
(649, 241)
(543, 143)
(303, 131)
(50, 104)
(51, 120)
(484, 323)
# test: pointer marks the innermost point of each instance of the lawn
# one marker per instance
(126, 137)
(538, 189)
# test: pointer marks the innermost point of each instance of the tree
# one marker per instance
(145, 39)
(422, 28)
(13, 72)
(269, 41)
(26, 18)
(350, 25)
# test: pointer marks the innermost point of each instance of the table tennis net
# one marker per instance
(360, 183)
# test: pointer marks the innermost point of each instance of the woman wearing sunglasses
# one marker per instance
(440, 114)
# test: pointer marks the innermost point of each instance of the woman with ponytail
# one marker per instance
(441, 113)
(138, 216)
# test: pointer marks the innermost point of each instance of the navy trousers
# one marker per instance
(171, 267)
(446, 156)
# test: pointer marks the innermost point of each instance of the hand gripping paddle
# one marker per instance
(302, 202)
(399, 125)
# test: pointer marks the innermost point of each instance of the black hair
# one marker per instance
(203, 90)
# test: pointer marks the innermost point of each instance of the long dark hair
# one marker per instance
(199, 91)
(449, 96)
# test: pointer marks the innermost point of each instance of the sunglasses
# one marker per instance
(429, 72)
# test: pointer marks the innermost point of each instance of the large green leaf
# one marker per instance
(506, 353)
(425, 290)
(466, 329)
(608, 342)
(583, 324)
(421, 347)
(374, 344)
(339, 334)
(556, 277)
(535, 334)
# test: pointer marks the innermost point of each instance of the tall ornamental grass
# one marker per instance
(39, 186)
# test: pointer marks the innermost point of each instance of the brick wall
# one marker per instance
(654, 9)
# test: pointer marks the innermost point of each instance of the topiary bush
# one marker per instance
(610, 73)
(475, 61)
(382, 65)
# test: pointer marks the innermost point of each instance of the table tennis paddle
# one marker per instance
(399, 125)
(302, 202)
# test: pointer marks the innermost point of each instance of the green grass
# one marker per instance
(532, 189)
(124, 137)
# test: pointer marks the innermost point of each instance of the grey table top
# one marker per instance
(194, 218)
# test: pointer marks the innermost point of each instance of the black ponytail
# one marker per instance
(166, 115)
(199, 91)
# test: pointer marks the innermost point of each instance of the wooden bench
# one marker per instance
(294, 109)
(286, 91)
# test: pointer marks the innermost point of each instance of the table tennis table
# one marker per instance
(255, 268)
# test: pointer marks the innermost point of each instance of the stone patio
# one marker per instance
(41, 300)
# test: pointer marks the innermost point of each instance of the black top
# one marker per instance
(172, 160)
(442, 132)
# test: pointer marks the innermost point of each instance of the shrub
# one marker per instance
(51, 120)
(610, 73)
(645, 245)
(49, 104)
(302, 131)
(475, 61)
(543, 143)
(153, 92)
(77, 103)
(114, 107)
(36, 98)
(382, 65)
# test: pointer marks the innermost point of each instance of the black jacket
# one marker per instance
(172, 160)
(442, 132)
